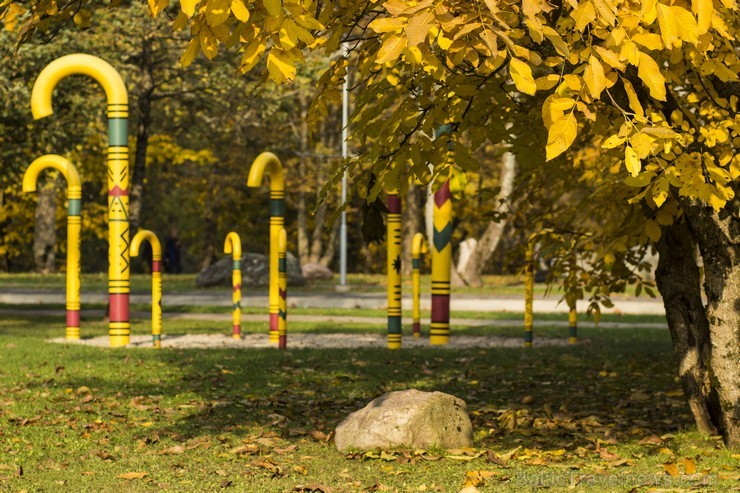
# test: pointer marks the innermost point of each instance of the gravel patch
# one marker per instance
(319, 341)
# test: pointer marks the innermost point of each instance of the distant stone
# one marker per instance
(407, 419)
(255, 272)
(312, 271)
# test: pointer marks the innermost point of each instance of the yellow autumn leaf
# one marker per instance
(689, 31)
(208, 43)
(612, 142)
(217, 11)
(391, 49)
(660, 190)
(642, 144)
(631, 161)
(521, 73)
(584, 15)
(704, 9)
(594, 77)
(387, 24)
(547, 82)
(652, 230)
(188, 6)
(157, 6)
(611, 58)
(633, 99)
(239, 10)
(281, 66)
(273, 7)
(668, 25)
(190, 53)
(561, 135)
(418, 27)
(649, 72)
(132, 475)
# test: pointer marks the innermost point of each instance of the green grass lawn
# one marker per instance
(502, 286)
(606, 415)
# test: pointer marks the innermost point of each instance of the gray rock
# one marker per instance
(255, 272)
(407, 419)
(312, 271)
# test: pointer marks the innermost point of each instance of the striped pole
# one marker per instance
(118, 221)
(74, 199)
(283, 289)
(439, 329)
(146, 235)
(270, 162)
(528, 293)
(572, 325)
(233, 245)
(393, 244)
(418, 247)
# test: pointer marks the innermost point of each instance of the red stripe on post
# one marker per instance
(443, 194)
(394, 204)
(440, 308)
(73, 318)
(282, 342)
(156, 266)
(119, 308)
(274, 317)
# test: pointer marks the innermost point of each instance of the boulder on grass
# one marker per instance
(255, 272)
(312, 271)
(407, 419)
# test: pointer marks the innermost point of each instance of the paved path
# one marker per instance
(332, 319)
(339, 300)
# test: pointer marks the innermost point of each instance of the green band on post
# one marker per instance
(394, 325)
(277, 207)
(282, 265)
(237, 265)
(118, 132)
(74, 207)
(573, 331)
(416, 263)
(528, 336)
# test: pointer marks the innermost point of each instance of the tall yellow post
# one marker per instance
(528, 294)
(283, 289)
(573, 325)
(393, 268)
(138, 239)
(439, 327)
(269, 162)
(233, 245)
(118, 176)
(74, 199)
(418, 247)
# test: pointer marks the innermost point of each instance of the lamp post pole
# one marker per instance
(345, 155)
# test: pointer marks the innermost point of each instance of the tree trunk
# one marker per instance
(718, 238)
(677, 277)
(471, 271)
(144, 110)
(45, 233)
(411, 226)
(331, 245)
(317, 235)
(706, 339)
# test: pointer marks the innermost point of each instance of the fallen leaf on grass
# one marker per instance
(177, 449)
(312, 488)
(689, 465)
(672, 469)
(320, 436)
(132, 475)
(651, 440)
(606, 455)
(470, 489)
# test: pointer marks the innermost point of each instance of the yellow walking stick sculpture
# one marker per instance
(418, 247)
(269, 162)
(140, 237)
(233, 245)
(74, 198)
(118, 176)
(283, 289)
